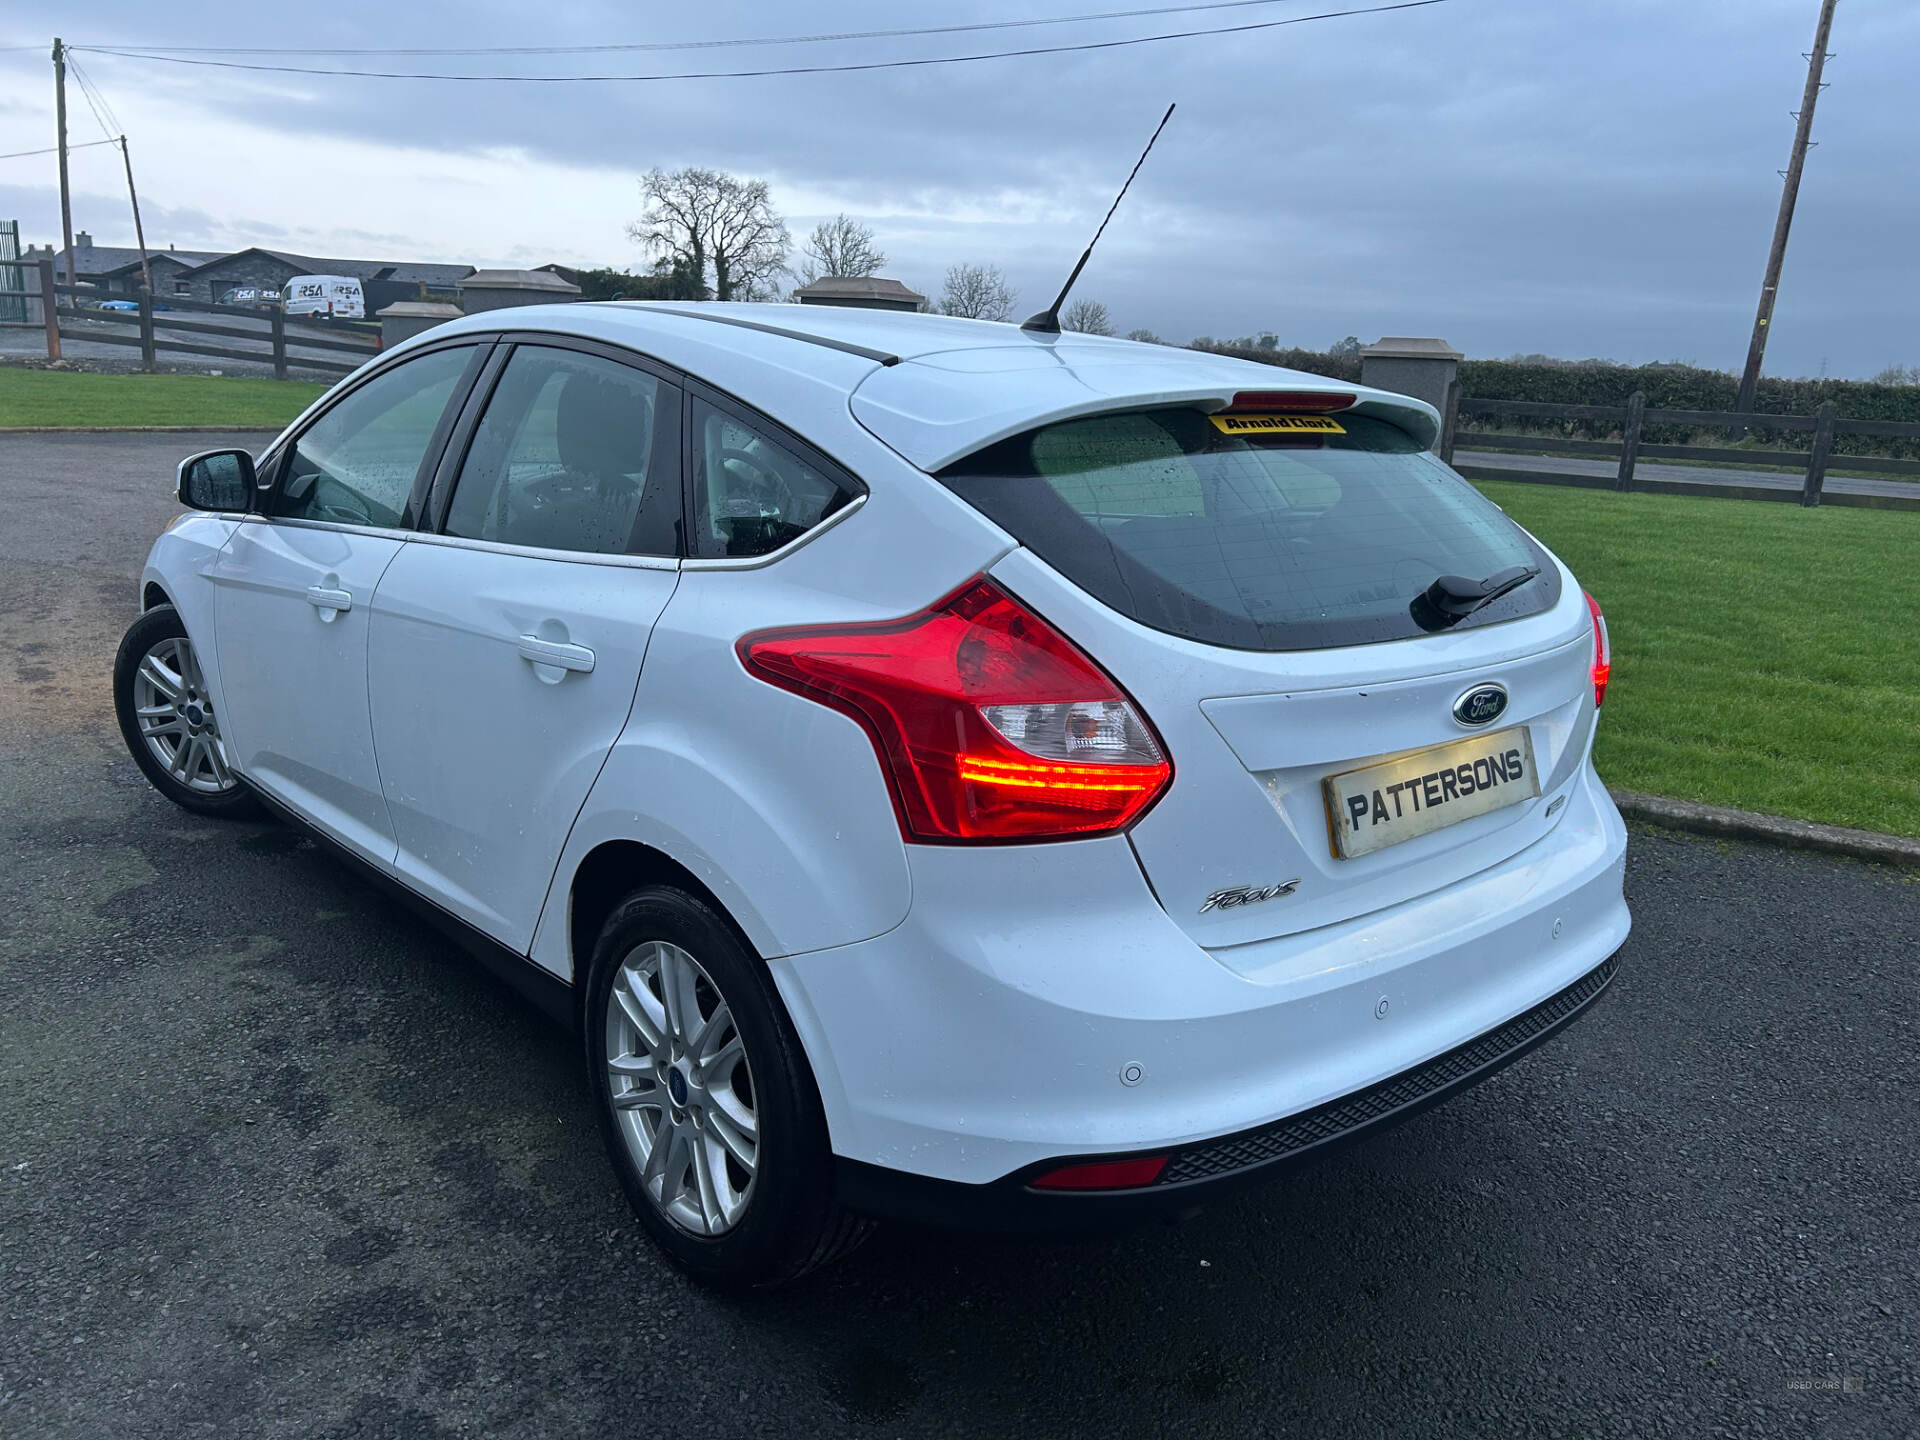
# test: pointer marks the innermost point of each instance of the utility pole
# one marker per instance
(60, 123)
(1790, 193)
(139, 235)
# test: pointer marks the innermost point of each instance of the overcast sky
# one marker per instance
(1578, 177)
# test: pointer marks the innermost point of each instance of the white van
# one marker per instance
(336, 296)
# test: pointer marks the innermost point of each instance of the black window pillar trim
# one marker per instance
(432, 514)
(436, 447)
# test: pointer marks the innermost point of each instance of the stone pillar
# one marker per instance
(1424, 369)
(405, 319)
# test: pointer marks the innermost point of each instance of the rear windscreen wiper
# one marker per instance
(1455, 596)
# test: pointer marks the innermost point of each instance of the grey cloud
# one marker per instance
(1594, 178)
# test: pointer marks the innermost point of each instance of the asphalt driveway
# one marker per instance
(276, 1160)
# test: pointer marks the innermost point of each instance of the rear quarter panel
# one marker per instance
(776, 803)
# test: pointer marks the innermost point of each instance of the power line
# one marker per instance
(96, 102)
(82, 145)
(843, 69)
(96, 98)
(729, 42)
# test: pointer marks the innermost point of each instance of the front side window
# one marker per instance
(1320, 532)
(356, 464)
(575, 452)
(752, 494)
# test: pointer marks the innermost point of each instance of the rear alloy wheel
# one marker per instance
(168, 721)
(706, 1101)
(681, 1087)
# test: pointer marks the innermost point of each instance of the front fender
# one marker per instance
(181, 564)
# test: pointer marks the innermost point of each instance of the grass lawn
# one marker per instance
(72, 398)
(1763, 655)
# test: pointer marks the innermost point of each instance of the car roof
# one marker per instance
(935, 388)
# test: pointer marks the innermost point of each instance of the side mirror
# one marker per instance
(216, 480)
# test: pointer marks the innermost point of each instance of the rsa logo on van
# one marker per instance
(1481, 705)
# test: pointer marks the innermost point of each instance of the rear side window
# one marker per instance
(753, 493)
(575, 452)
(1319, 533)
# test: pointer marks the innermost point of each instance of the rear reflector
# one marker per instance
(990, 724)
(1296, 402)
(1602, 653)
(1133, 1174)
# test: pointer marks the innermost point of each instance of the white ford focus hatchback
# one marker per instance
(939, 769)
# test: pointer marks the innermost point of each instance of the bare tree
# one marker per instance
(1087, 316)
(840, 246)
(977, 292)
(1145, 337)
(709, 222)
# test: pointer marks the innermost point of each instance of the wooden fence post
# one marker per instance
(1630, 440)
(49, 299)
(146, 329)
(1449, 421)
(277, 322)
(1823, 426)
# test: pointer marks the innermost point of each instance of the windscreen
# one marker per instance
(1253, 532)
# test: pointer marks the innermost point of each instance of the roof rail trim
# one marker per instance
(882, 356)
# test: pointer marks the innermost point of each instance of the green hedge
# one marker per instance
(1668, 387)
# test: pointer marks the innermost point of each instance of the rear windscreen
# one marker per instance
(1254, 532)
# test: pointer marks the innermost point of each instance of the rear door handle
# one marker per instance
(553, 652)
(321, 598)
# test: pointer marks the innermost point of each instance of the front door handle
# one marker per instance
(553, 652)
(322, 598)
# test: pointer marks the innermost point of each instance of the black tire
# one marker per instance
(153, 629)
(791, 1221)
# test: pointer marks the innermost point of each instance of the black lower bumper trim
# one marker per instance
(1196, 1173)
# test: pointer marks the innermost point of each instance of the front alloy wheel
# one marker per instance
(176, 719)
(168, 722)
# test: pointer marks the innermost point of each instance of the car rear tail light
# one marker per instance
(990, 724)
(1304, 402)
(1602, 653)
(1132, 1174)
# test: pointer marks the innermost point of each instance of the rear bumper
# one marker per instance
(1038, 1006)
(1202, 1173)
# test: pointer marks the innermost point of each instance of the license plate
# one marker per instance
(1429, 790)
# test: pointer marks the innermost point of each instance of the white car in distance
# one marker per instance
(937, 768)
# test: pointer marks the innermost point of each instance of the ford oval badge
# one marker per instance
(1481, 705)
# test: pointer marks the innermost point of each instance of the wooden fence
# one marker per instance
(1628, 451)
(162, 328)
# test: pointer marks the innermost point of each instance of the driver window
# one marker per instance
(357, 463)
(750, 494)
(564, 458)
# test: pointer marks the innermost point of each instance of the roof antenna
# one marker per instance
(1047, 322)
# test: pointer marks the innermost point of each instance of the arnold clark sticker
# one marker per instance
(1429, 789)
(1277, 425)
